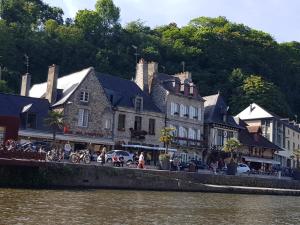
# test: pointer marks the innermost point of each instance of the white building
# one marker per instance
(280, 131)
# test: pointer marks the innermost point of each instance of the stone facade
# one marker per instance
(168, 92)
(98, 109)
(124, 136)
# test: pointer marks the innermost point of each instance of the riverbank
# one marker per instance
(38, 174)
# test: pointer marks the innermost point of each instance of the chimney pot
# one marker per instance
(25, 85)
(51, 91)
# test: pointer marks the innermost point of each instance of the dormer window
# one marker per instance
(138, 104)
(84, 96)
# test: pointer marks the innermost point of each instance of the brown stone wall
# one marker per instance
(98, 107)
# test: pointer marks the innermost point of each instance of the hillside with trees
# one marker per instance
(244, 64)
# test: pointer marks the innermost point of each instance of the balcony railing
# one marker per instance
(182, 141)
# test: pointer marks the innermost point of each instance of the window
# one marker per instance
(183, 132)
(186, 111)
(294, 146)
(199, 113)
(220, 140)
(2, 133)
(84, 96)
(107, 123)
(31, 121)
(174, 109)
(152, 126)
(229, 135)
(175, 131)
(121, 122)
(138, 123)
(192, 134)
(83, 117)
(138, 104)
(199, 134)
(288, 145)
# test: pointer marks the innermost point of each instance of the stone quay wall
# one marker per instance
(65, 175)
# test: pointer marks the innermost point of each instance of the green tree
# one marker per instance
(256, 89)
(232, 145)
(296, 154)
(55, 122)
(4, 88)
(166, 137)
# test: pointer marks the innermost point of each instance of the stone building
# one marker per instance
(178, 98)
(280, 131)
(136, 119)
(219, 125)
(83, 102)
(102, 109)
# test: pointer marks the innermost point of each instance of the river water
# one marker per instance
(18, 206)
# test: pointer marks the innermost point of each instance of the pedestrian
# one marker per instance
(102, 155)
(141, 161)
(67, 149)
(149, 158)
(214, 166)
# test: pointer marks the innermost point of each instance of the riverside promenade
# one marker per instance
(41, 174)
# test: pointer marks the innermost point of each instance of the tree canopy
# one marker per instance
(244, 64)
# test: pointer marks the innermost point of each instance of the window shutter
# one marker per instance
(172, 108)
(192, 112)
(198, 134)
(182, 110)
(80, 117)
(86, 118)
(180, 132)
(199, 113)
(191, 133)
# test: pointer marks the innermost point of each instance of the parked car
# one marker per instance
(127, 157)
(242, 168)
(199, 164)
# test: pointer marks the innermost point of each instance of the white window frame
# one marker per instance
(84, 96)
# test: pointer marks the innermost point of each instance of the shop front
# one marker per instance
(9, 126)
(260, 164)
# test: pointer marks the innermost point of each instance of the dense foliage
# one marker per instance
(246, 65)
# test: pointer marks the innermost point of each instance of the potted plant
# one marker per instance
(296, 173)
(166, 137)
(231, 146)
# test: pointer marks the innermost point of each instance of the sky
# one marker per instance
(280, 18)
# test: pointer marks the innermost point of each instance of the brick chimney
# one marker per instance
(51, 91)
(186, 90)
(25, 85)
(152, 70)
(141, 75)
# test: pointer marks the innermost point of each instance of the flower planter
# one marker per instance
(231, 169)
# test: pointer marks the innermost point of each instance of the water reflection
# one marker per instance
(137, 207)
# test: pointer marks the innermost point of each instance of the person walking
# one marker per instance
(141, 161)
(67, 150)
(102, 156)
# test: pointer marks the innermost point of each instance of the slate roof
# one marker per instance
(249, 137)
(66, 85)
(214, 109)
(14, 105)
(124, 92)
